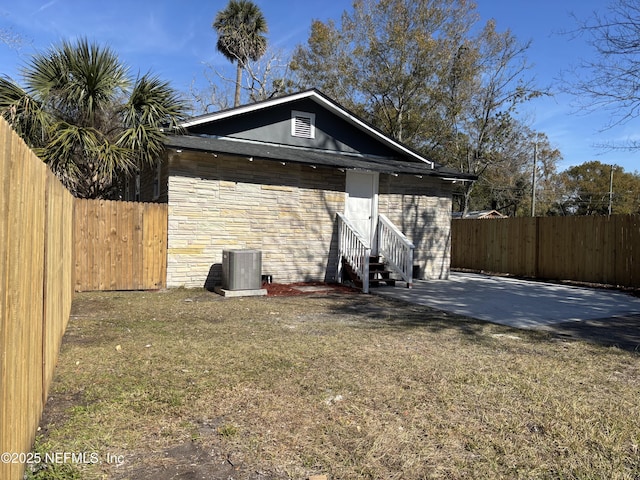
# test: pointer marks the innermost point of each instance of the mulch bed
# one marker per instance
(307, 288)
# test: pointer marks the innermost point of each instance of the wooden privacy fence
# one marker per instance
(120, 245)
(36, 290)
(595, 249)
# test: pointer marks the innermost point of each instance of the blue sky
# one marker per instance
(174, 39)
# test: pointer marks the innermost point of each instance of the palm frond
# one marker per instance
(152, 105)
(241, 27)
(114, 159)
(153, 102)
(87, 118)
(77, 81)
(145, 142)
(70, 145)
(23, 112)
(96, 77)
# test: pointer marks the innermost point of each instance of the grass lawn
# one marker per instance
(187, 384)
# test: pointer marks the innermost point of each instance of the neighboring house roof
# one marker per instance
(479, 214)
(215, 133)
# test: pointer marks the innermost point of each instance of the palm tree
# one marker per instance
(87, 118)
(241, 28)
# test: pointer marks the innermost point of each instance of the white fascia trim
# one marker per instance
(245, 109)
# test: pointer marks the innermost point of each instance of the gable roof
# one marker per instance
(410, 162)
(475, 214)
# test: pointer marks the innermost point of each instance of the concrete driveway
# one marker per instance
(526, 304)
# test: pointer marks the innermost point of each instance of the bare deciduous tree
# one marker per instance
(10, 38)
(610, 80)
(265, 78)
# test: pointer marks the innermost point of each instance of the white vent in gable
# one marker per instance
(303, 124)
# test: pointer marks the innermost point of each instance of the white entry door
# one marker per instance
(361, 207)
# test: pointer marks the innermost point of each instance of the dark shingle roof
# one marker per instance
(311, 157)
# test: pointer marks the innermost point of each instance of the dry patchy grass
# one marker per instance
(186, 384)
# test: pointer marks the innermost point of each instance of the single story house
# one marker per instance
(306, 182)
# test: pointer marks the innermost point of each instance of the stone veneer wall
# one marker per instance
(286, 211)
(421, 209)
(289, 213)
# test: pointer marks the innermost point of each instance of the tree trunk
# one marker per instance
(236, 101)
(468, 188)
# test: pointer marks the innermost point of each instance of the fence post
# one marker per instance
(536, 267)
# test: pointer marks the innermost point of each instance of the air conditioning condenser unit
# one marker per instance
(241, 269)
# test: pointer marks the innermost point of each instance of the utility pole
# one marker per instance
(611, 190)
(533, 181)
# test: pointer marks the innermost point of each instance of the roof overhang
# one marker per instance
(309, 157)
